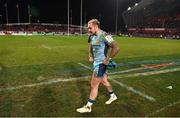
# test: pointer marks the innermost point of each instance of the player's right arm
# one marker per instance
(91, 58)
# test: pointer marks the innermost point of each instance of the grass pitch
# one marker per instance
(40, 76)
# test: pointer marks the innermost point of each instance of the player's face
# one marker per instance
(92, 29)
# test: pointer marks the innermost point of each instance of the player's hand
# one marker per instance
(91, 59)
(106, 61)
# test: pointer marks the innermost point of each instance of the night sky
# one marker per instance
(55, 11)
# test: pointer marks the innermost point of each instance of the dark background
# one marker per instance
(55, 11)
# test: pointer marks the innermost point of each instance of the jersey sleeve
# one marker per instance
(109, 39)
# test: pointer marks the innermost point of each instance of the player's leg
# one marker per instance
(95, 81)
(93, 94)
(94, 87)
(97, 78)
(108, 86)
(106, 83)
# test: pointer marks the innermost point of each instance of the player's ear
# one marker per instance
(96, 27)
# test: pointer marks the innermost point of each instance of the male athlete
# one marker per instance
(100, 42)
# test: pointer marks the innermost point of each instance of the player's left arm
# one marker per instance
(114, 49)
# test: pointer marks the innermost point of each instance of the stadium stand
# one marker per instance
(147, 20)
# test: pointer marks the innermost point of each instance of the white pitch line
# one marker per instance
(134, 90)
(129, 70)
(126, 86)
(152, 73)
(79, 78)
(44, 46)
(162, 109)
(142, 74)
(43, 83)
(53, 47)
(117, 72)
(126, 71)
(85, 66)
(135, 69)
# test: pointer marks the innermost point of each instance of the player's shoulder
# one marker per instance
(105, 33)
(107, 37)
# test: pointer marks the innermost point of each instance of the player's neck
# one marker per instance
(98, 31)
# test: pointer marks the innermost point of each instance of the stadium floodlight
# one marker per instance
(30, 18)
(81, 19)
(71, 17)
(136, 4)
(85, 15)
(68, 16)
(129, 8)
(17, 6)
(29, 13)
(1, 19)
(6, 10)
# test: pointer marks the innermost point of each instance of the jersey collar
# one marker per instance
(99, 33)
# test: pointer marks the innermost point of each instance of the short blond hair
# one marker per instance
(95, 22)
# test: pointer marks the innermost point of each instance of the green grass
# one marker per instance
(34, 59)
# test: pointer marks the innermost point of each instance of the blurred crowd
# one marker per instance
(40, 28)
(160, 26)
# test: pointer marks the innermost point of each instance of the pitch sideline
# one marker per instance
(134, 90)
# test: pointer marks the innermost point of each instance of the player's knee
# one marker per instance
(105, 83)
(94, 85)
